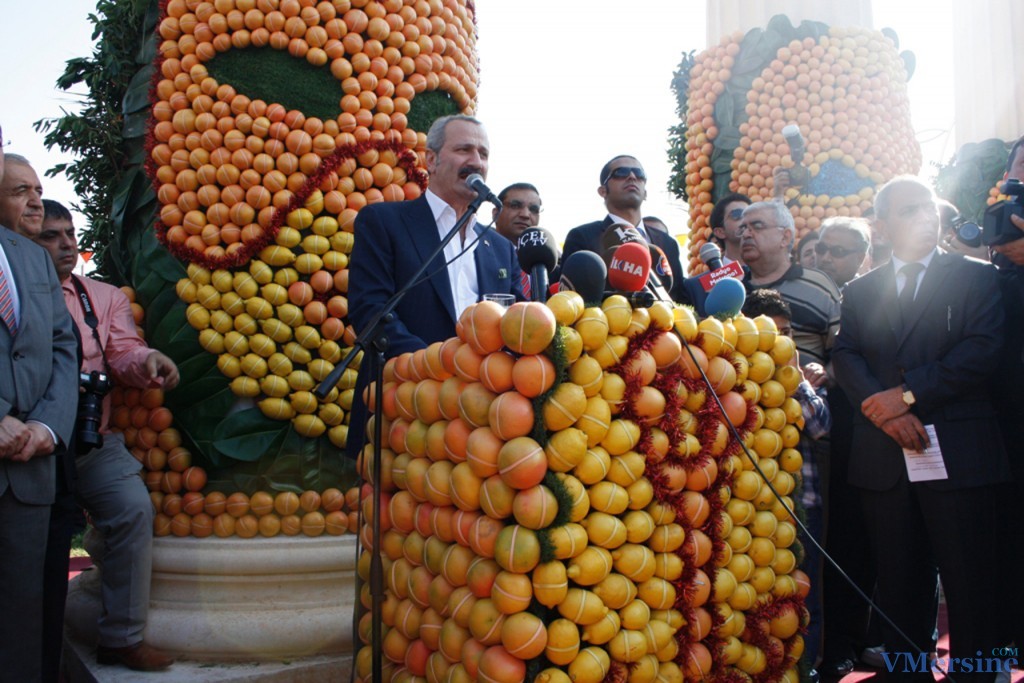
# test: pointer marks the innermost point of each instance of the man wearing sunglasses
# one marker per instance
(624, 189)
(842, 245)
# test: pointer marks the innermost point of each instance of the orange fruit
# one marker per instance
(528, 327)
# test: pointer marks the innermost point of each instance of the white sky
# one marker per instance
(564, 87)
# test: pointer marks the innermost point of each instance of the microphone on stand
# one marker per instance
(629, 272)
(537, 256)
(476, 182)
(630, 267)
(584, 272)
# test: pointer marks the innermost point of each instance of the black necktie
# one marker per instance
(910, 272)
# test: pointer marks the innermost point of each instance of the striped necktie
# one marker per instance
(7, 305)
(524, 282)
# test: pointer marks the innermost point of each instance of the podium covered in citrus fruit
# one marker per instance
(563, 499)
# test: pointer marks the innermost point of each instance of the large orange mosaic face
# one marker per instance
(260, 199)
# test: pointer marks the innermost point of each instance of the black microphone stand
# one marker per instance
(374, 338)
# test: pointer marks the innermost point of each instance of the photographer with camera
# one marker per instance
(108, 485)
(1003, 228)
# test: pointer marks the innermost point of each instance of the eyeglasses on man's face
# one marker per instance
(517, 205)
(836, 251)
(623, 172)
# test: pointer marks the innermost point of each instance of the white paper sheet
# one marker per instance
(926, 465)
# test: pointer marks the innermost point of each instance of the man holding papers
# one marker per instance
(919, 339)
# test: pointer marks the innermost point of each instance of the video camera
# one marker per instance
(997, 226)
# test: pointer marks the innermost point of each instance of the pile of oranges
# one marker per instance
(176, 485)
(562, 499)
(847, 93)
(261, 200)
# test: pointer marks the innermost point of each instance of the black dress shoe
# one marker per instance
(835, 669)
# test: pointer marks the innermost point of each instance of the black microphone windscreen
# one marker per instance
(584, 272)
(536, 246)
(661, 267)
(615, 235)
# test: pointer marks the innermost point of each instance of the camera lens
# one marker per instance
(969, 234)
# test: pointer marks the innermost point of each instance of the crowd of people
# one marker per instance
(905, 345)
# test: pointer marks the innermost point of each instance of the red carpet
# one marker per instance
(78, 565)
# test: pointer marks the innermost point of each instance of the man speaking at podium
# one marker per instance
(393, 239)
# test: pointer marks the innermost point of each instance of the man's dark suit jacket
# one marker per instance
(588, 238)
(38, 365)
(393, 239)
(946, 353)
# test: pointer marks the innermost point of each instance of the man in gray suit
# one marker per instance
(38, 395)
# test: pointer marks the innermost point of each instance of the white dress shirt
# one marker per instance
(461, 268)
(901, 278)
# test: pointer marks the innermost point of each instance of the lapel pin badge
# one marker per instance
(502, 273)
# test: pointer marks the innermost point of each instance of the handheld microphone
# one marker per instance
(711, 255)
(537, 256)
(584, 272)
(630, 267)
(476, 182)
(797, 148)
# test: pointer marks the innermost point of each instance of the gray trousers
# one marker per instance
(111, 490)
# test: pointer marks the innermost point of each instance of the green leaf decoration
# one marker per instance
(275, 76)
(136, 97)
(197, 421)
(247, 435)
(429, 106)
(154, 269)
(967, 178)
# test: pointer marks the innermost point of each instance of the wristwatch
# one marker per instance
(908, 396)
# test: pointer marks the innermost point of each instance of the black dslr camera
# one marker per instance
(94, 386)
(998, 228)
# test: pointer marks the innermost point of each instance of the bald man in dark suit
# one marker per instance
(38, 399)
(919, 342)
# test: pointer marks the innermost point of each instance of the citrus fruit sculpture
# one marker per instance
(562, 499)
(844, 87)
(259, 197)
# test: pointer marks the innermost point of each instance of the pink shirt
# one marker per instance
(126, 351)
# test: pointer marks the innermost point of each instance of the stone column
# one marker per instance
(726, 16)
(988, 68)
